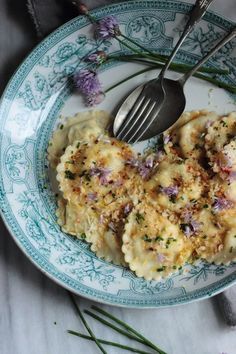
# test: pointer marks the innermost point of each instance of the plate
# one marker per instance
(30, 110)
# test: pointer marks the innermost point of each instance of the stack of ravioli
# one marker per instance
(155, 212)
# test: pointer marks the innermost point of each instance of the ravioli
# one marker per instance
(96, 172)
(220, 143)
(154, 247)
(81, 127)
(177, 184)
(154, 212)
(188, 136)
(106, 229)
(216, 241)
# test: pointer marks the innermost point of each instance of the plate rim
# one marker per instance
(45, 44)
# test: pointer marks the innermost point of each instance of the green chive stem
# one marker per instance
(85, 323)
(113, 344)
(155, 55)
(126, 334)
(111, 325)
(129, 328)
(216, 82)
(174, 65)
(131, 48)
(128, 78)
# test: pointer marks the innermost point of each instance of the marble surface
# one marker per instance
(35, 313)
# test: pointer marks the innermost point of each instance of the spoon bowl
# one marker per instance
(172, 105)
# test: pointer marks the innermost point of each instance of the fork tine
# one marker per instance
(152, 114)
(142, 121)
(131, 113)
(135, 116)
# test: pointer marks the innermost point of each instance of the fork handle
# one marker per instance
(225, 40)
(196, 14)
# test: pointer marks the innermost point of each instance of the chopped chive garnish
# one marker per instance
(69, 174)
(146, 238)
(139, 217)
(159, 238)
(161, 269)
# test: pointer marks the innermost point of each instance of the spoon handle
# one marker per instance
(195, 16)
(225, 40)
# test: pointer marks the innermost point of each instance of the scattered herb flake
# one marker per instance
(159, 238)
(146, 238)
(139, 217)
(83, 236)
(69, 174)
(224, 123)
(161, 269)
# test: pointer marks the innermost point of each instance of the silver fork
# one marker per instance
(151, 98)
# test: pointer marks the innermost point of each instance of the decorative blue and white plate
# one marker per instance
(34, 99)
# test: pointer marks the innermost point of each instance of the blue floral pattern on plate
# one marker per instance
(34, 99)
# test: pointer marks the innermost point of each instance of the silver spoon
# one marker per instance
(152, 95)
(173, 105)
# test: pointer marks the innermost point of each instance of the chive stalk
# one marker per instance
(106, 342)
(128, 334)
(85, 323)
(129, 328)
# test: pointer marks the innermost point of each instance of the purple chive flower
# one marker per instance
(186, 214)
(144, 171)
(166, 139)
(94, 99)
(171, 191)
(159, 156)
(97, 58)
(112, 226)
(161, 257)
(149, 162)
(128, 208)
(91, 196)
(222, 204)
(191, 228)
(108, 27)
(232, 176)
(87, 82)
(101, 173)
(145, 167)
(208, 124)
(133, 162)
